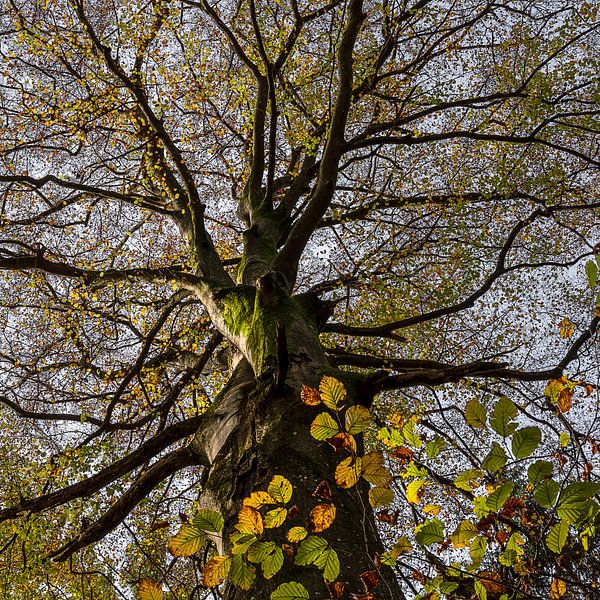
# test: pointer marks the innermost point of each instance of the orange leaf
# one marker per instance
(565, 400)
(215, 571)
(322, 516)
(566, 328)
(310, 396)
(249, 521)
(557, 589)
(348, 472)
(150, 590)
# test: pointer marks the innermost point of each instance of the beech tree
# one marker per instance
(303, 291)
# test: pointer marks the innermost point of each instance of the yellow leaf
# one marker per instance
(431, 509)
(557, 589)
(333, 392)
(274, 518)
(249, 521)
(280, 489)
(414, 491)
(186, 542)
(296, 534)
(323, 427)
(348, 472)
(310, 396)
(566, 328)
(322, 516)
(259, 499)
(215, 571)
(150, 590)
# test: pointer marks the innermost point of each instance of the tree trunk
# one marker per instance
(258, 428)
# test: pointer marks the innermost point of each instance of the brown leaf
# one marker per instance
(159, 525)
(370, 579)
(310, 396)
(321, 517)
(566, 328)
(501, 537)
(485, 523)
(420, 577)
(490, 580)
(367, 596)
(511, 506)
(344, 441)
(595, 447)
(322, 491)
(288, 550)
(215, 571)
(587, 470)
(388, 516)
(336, 589)
(150, 590)
(403, 454)
(565, 400)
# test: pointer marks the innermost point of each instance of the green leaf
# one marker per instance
(435, 446)
(310, 549)
(380, 496)
(275, 518)
(357, 419)
(412, 438)
(475, 414)
(463, 534)
(578, 491)
(525, 441)
(504, 412)
(242, 574)
(241, 542)
(260, 550)
(591, 270)
(208, 520)
(578, 513)
(546, 492)
(280, 488)
(329, 563)
(430, 532)
(496, 459)
(538, 471)
(478, 549)
(290, 591)
(324, 427)
(557, 537)
(468, 480)
(272, 563)
(495, 501)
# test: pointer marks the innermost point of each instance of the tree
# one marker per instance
(206, 207)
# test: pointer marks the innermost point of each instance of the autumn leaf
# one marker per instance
(322, 491)
(566, 328)
(333, 393)
(373, 470)
(186, 542)
(249, 521)
(343, 440)
(259, 499)
(370, 579)
(310, 396)
(280, 489)
(215, 571)
(357, 419)
(275, 518)
(414, 491)
(150, 590)
(290, 591)
(558, 589)
(324, 427)
(321, 517)
(336, 589)
(348, 472)
(380, 496)
(296, 534)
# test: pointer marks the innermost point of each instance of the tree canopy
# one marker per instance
(337, 257)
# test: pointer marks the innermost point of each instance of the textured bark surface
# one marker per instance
(258, 429)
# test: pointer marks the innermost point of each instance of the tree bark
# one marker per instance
(257, 428)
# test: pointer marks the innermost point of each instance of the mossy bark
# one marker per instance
(259, 427)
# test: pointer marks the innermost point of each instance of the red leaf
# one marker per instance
(336, 589)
